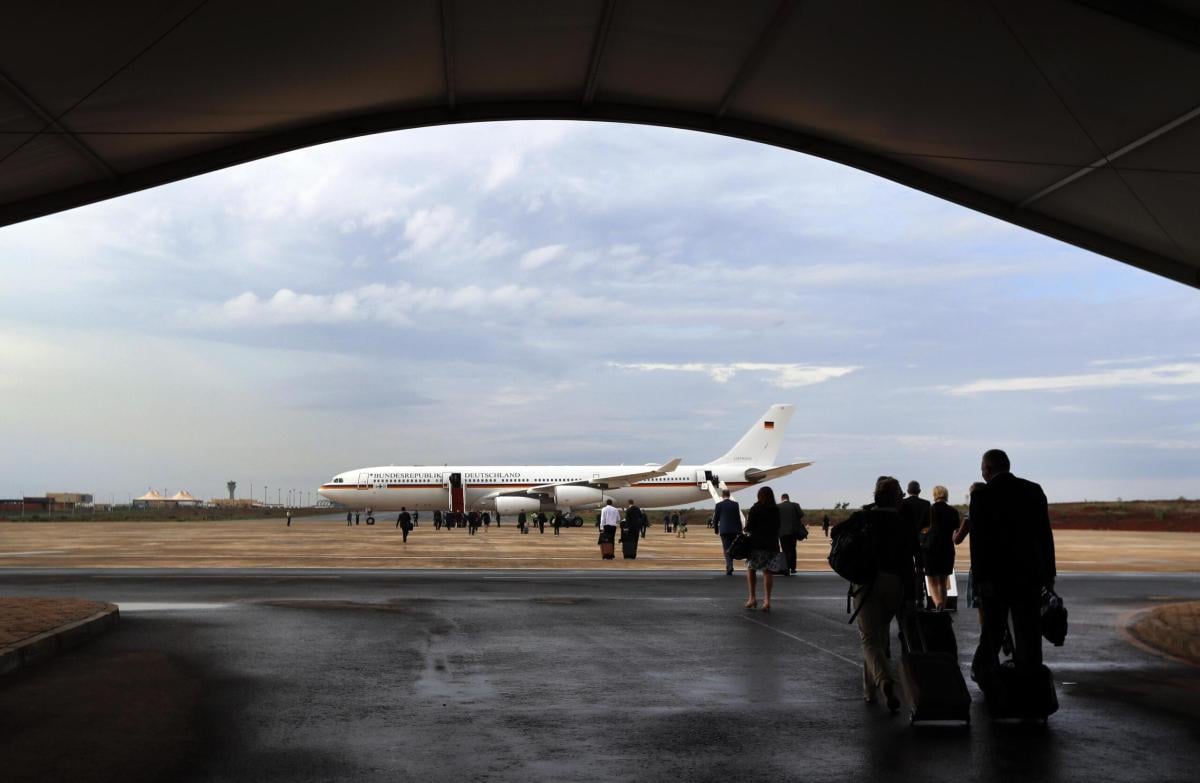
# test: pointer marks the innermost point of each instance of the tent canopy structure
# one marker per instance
(1080, 120)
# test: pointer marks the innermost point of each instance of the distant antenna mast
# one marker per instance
(231, 486)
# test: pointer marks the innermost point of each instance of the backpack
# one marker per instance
(852, 555)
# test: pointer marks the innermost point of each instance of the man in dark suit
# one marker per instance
(916, 513)
(916, 508)
(1012, 559)
(791, 530)
(727, 523)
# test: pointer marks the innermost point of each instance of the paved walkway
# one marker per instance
(33, 629)
(1173, 629)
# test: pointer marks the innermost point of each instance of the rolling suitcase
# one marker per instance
(606, 550)
(929, 671)
(1020, 695)
(935, 688)
(929, 632)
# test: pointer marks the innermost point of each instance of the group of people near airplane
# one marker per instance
(912, 542)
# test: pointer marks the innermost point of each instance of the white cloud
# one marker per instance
(504, 167)
(783, 376)
(392, 304)
(1178, 374)
(541, 256)
(427, 227)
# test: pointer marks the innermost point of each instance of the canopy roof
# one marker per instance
(151, 495)
(1074, 119)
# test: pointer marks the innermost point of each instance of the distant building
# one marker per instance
(69, 501)
(235, 503)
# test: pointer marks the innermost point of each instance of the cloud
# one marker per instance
(1177, 374)
(427, 227)
(783, 376)
(504, 167)
(541, 256)
(376, 302)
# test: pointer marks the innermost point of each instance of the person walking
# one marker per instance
(400, 517)
(916, 510)
(681, 527)
(356, 517)
(405, 523)
(645, 523)
(557, 521)
(289, 517)
(416, 518)
(884, 598)
(541, 522)
(487, 521)
(825, 525)
(521, 522)
(791, 530)
(937, 546)
(610, 520)
(1012, 560)
(727, 523)
(631, 528)
(674, 520)
(348, 519)
(762, 525)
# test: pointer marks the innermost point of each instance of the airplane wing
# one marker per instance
(602, 482)
(771, 473)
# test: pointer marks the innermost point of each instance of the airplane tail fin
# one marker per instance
(760, 445)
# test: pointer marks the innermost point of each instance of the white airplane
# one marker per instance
(567, 488)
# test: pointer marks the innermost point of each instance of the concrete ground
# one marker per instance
(299, 675)
(326, 542)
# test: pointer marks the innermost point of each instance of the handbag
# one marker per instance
(740, 548)
(1054, 618)
(778, 564)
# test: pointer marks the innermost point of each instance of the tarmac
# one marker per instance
(326, 542)
(307, 675)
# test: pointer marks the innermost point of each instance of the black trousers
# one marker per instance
(789, 550)
(726, 542)
(996, 607)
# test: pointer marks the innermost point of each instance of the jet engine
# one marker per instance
(510, 506)
(577, 497)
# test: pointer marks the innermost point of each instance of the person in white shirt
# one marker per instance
(610, 519)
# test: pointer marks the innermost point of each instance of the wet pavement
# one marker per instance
(572, 676)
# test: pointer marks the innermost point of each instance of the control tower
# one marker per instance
(231, 486)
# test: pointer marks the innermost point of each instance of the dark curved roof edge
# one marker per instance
(274, 143)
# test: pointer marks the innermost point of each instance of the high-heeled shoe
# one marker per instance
(751, 604)
(766, 607)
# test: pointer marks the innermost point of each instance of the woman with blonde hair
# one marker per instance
(937, 546)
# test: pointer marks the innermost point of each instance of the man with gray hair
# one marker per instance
(1012, 559)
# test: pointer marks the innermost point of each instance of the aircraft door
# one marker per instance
(458, 500)
(364, 480)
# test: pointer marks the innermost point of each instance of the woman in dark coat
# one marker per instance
(937, 546)
(762, 526)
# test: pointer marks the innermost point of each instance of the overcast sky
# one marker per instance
(576, 293)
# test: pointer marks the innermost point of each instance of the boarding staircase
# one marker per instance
(715, 487)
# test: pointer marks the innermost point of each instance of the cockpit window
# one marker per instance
(337, 481)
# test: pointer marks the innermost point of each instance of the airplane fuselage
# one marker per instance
(428, 488)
